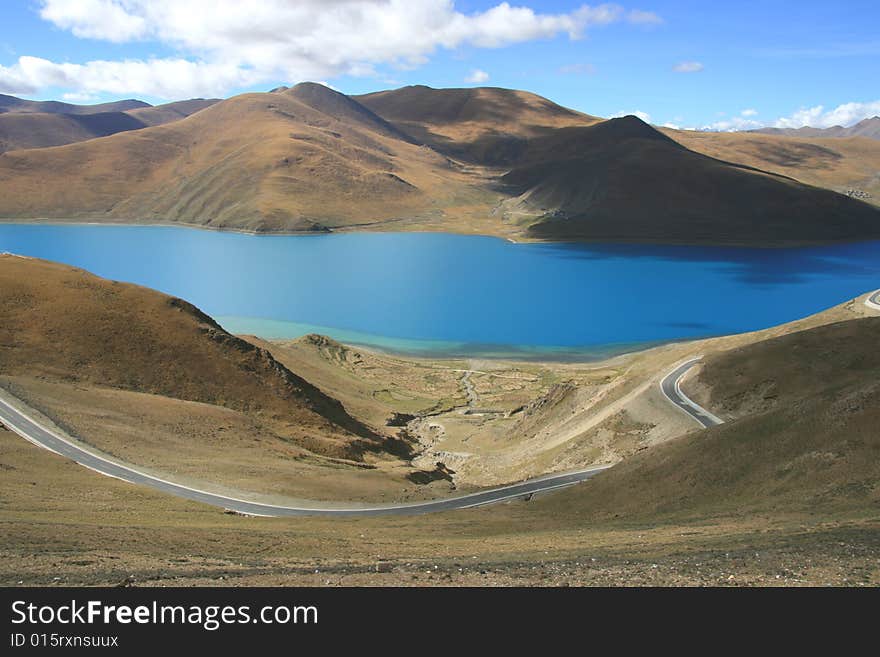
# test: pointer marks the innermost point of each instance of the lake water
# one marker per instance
(462, 295)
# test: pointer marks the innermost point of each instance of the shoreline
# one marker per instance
(520, 239)
(532, 355)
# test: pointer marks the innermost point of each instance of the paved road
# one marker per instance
(670, 385)
(33, 431)
(873, 300)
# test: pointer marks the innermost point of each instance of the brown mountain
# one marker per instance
(159, 114)
(622, 177)
(486, 125)
(34, 124)
(302, 159)
(490, 161)
(65, 324)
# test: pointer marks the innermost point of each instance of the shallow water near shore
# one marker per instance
(435, 294)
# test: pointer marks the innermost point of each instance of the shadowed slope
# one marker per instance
(623, 180)
(486, 125)
(34, 130)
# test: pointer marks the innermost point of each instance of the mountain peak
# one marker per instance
(313, 86)
(322, 98)
(628, 127)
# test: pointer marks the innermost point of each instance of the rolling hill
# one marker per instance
(487, 160)
(66, 325)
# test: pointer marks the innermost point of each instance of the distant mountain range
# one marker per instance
(865, 128)
(39, 124)
(11, 104)
(482, 160)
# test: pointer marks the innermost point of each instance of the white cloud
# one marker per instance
(76, 97)
(108, 20)
(733, 124)
(688, 67)
(644, 116)
(816, 117)
(477, 77)
(222, 44)
(165, 78)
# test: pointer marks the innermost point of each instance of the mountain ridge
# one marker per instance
(868, 127)
(13, 104)
(483, 160)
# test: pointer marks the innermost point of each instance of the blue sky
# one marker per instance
(690, 64)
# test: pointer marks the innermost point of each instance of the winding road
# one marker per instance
(873, 300)
(35, 432)
(671, 387)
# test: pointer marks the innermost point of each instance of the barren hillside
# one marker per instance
(66, 325)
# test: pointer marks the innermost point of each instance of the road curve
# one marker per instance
(873, 300)
(33, 431)
(671, 387)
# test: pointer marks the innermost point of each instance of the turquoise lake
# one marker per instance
(440, 294)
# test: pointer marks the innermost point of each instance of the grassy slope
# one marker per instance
(827, 361)
(70, 326)
(802, 439)
(292, 160)
(836, 164)
(103, 531)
